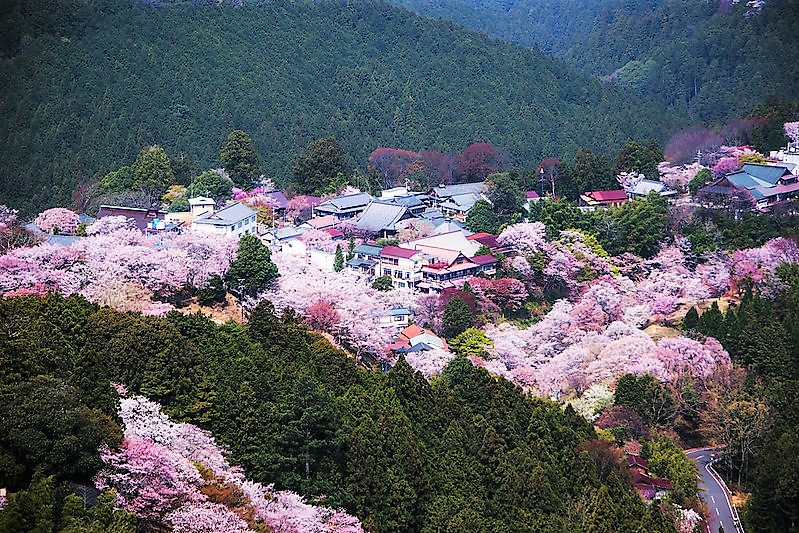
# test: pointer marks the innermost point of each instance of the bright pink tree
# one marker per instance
(726, 166)
(111, 224)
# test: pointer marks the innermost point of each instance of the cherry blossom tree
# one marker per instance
(792, 131)
(162, 469)
(726, 166)
(678, 177)
(111, 224)
(528, 238)
(58, 220)
(322, 316)
(431, 362)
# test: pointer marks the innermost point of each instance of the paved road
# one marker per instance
(713, 494)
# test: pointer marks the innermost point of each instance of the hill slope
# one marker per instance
(713, 59)
(86, 84)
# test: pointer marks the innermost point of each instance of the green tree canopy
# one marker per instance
(457, 318)
(209, 183)
(253, 265)
(482, 218)
(152, 172)
(240, 159)
(319, 165)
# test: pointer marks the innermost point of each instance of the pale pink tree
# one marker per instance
(792, 131)
(111, 224)
(58, 220)
(528, 238)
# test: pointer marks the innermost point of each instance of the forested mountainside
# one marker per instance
(467, 452)
(86, 84)
(713, 59)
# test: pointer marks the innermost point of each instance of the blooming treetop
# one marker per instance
(123, 269)
(303, 285)
(58, 220)
(792, 131)
(158, 474)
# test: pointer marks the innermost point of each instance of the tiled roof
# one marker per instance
(447, 191)
(381, 216)
(396, 251)
(484, 259)
(226, 216)
(531, 195)
(616, 195)
(770, 174)
(346, 203)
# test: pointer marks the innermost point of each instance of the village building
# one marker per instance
(148, 221)
(233, 220)
(344, 207)
(763, 187)
(592, 200)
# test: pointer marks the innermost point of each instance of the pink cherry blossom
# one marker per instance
(58, 220)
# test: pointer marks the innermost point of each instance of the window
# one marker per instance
(398, 319)
(398, 274)
(386, 271)
(407, 275)
(401, 285)
(240, 223)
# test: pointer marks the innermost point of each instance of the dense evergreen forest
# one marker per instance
(466, 452)
(87, 84)
(711, 59)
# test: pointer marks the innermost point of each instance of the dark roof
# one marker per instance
(634, 460)
(358, 263)
(768, 173)
(278, 199)
(342, 204)
(381, 216)
(396, 251)
(407, 201)
(368, 249)
(484, 259)
(141, 217)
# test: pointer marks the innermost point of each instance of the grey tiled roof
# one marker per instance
(341, 204)
(447, 191)
(225, 216)
(380, 216)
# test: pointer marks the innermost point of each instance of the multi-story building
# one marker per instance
(234, 220)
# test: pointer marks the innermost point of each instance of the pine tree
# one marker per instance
(240, 159)
(253, 266)
(457, 318)
(691, 320)
(338, 261)
(351, 248)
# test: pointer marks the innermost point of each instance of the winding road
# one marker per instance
(713, 493)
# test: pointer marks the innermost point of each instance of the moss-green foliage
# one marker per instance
(88, 84)
(401, 453)
(637, 227)
(685, 53)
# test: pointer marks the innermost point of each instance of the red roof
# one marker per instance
(486, 259)
(486, 239)
(618, 195)
(634, 460)
(532, 195)
(333, 232)
(396, 251)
